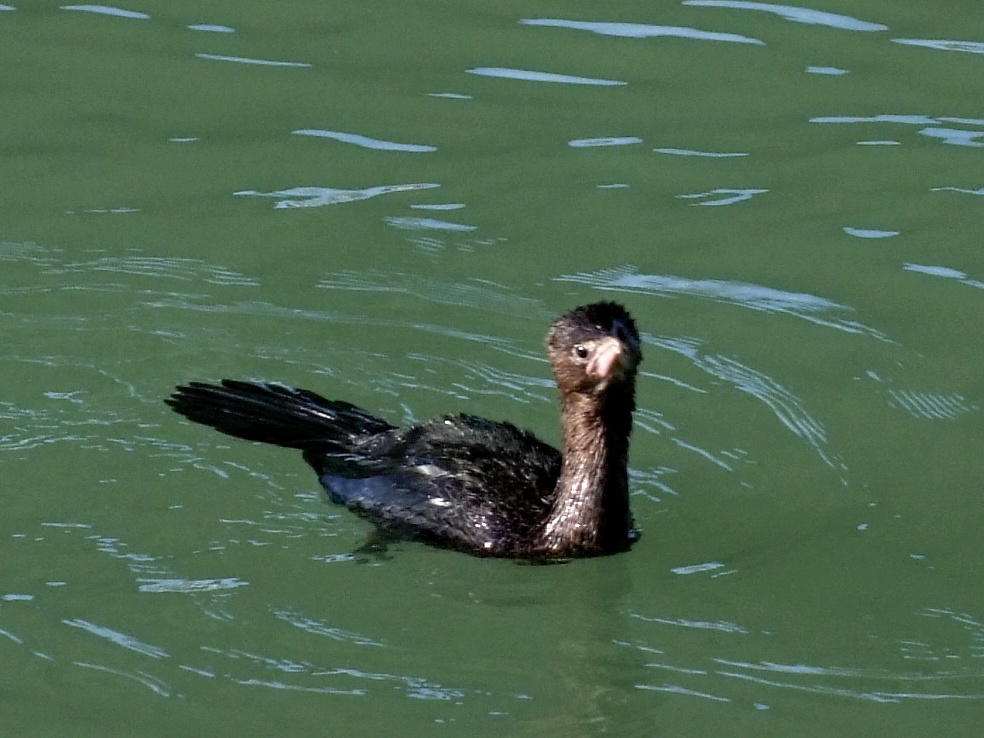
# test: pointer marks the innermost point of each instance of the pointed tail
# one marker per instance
(274, 414)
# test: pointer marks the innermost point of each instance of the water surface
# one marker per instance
(389, 204)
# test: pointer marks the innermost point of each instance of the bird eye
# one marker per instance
(581, 351)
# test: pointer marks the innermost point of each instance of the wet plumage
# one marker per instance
(461, 481)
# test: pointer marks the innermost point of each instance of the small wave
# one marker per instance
(702, 154)
(189, 585)
(320, 628)
(107, 10)
(795, 14)
(527, 75)
(743, 294)
(120, 639)
(931, 406)
(857, 683)
(315, 197)
(934, 127)
(482, 294)
(722, 196)
(641, 30)
(252, 61)
(153, 684)
(968, 47)
(427, 224)
(154, 266)
(366, 142)
(945, 273)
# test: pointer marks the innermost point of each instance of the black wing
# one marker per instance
(458, 481)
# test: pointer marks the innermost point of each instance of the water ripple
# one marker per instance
(427, 224)
(803, 677)
(699, 569)
(708, 154)
(970, 47)
(16, 639)
(649, 483)
(316, 197)
(933, 129)
(157, 266)
(931, 406)
(677, 689)
(955, 136)
(743, 294)
(795, 14)
(582, 143)
(640, 30)
(120, 639)
(963, 190)
(783, 403)
(365, 142)
(944, 272)
(869, 232)
(731, 196)
(473, 293)
(717, 625)
(970, 632)
(302, 670)
(154, 685)
(320, 628)
(248, 60)
(107, 10)
(29, 252)
(209, 28)
(519, 387)
(189, 585)
(532, 76)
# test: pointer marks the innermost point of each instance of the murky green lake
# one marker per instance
(388, 203)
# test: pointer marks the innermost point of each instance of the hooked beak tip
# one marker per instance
(613, 360)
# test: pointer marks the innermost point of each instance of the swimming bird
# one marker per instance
(461, 481)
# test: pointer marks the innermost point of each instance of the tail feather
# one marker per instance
(275, 414)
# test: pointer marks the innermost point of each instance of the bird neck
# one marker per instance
(590, 510)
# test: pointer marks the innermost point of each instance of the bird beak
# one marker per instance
(611, 360)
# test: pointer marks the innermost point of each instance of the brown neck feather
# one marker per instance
(590, 511)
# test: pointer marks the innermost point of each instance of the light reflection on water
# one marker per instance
(812, 308)
(639, 30)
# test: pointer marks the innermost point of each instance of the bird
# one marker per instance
(460, 481)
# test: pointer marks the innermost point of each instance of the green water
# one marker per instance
(388, 203)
